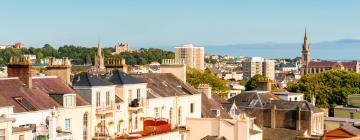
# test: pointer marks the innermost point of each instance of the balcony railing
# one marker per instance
(106, 106)
(138, 102)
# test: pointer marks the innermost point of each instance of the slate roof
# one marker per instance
(293, 105)
(351, 129)
(213, 138)
(87, 79)
(266, 100)
(118, 77)
(214, 103)
(252, 99)
(164, 85)
(37, 96)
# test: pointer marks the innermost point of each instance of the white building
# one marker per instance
(192, 56)
(258, 65)
(290, 96)
(241, 128)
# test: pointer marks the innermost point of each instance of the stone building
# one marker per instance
(99, 60)
(121, 47)
(313, 67)
(274, 115)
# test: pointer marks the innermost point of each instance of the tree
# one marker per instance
(330, 88)
(251, 84)
(196, 77)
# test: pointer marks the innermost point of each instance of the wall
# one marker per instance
(199, 128)
(166, 136)
(27, 135)
(345, 113)
(76, 115)
(178, 70)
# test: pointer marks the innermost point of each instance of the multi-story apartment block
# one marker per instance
(258, 65)
(192, 56)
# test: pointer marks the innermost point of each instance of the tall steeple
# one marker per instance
(99, 59)
(305, 57)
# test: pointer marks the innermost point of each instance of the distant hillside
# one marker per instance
(348, 49)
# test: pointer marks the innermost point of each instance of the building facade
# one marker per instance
(192, 56)
(258, 65)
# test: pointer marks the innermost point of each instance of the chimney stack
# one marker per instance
(298, 120)
(60, 68)
(273, 116)
(206, 89)
(21, 67)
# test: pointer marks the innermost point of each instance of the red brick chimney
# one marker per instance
(21, 67)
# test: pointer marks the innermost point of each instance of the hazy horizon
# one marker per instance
(159, 23)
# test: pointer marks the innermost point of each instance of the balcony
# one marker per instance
(136, 104)
(104, 107)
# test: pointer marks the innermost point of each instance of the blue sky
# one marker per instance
(168, 22)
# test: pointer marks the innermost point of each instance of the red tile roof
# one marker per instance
(329, 64)
(37, 96)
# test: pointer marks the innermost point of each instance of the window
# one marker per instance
(351, 115)
(21, 137)
(179, 115)
(2, 134)
(170, 114)
(138, 93)
(24, 103)
(69, 100)
(107, 97)
(156, 112)
(67, 125)
(118, 128)
(192, 108)
(130, 94)
(98, 98)
(295, 98)
(85, 124)
(136, 122)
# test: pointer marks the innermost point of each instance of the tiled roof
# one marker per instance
(324, 64)
(120, 78)
(207, 105)
(87, 79)
(37, 96)
(164, 85)
(52, 85)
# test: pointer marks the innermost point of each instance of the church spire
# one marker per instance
(99, 59)
(305, 54)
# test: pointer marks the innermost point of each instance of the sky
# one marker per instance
(145, 23)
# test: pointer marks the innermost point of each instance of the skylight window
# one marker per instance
(24, 103)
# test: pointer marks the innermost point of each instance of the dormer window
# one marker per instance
(69, 100)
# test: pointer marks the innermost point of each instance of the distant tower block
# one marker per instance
(60, 68)
(116, 63)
